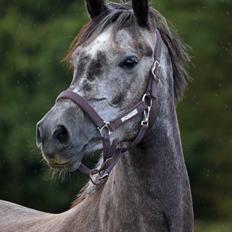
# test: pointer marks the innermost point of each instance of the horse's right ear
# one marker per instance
(95, 7)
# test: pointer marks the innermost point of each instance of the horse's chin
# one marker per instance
(69, 167)
(73, 163)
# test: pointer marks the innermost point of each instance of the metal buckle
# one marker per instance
(93, 181)
(154, 67)
(106, 164)
(105, 129)
(100, 179)
(146, 113)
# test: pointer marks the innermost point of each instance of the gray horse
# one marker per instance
(148, 188)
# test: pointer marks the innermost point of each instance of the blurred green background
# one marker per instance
(35, 36)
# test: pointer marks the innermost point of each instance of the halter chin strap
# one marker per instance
(112, 151)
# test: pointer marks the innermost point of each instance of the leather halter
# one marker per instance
(112, 151)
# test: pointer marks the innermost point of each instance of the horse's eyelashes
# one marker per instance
(129, 62)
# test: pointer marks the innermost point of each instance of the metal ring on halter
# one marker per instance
(92, 174)
(106, 163)
(105, 130)
(147, 97)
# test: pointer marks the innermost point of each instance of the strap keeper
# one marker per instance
(154, 69)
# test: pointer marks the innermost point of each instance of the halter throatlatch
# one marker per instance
(112, 151)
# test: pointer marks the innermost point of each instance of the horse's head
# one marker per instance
(112, 58)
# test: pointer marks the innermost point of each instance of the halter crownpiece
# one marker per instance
(112, 151)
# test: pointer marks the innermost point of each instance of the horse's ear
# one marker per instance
(141, 9)
(95, 7)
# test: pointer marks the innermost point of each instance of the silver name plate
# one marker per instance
(129, 115)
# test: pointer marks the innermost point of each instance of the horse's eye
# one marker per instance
(129, 63)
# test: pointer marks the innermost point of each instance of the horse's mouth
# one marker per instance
(74, 161)
(60, 163)
(69, 166)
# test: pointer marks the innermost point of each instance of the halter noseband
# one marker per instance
(113, 151)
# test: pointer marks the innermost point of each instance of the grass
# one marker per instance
(213, 227)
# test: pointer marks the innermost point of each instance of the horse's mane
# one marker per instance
(120, 15)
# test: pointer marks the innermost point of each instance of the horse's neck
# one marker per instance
(149, 188)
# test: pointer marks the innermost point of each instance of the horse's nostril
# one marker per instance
(62, 135)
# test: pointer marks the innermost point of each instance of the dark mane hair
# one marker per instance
(120, 15)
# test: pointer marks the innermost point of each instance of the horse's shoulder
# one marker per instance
(7, 207)
(14, 217)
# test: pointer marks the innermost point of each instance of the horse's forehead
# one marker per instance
(106, 42)
(101, 43)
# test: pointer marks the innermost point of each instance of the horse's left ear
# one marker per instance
(141, 9)
(95, 7)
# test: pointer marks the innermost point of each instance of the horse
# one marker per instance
(129, 73)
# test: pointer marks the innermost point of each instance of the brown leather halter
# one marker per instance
(113, 151)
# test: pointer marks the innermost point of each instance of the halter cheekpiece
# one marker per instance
(112, 151)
